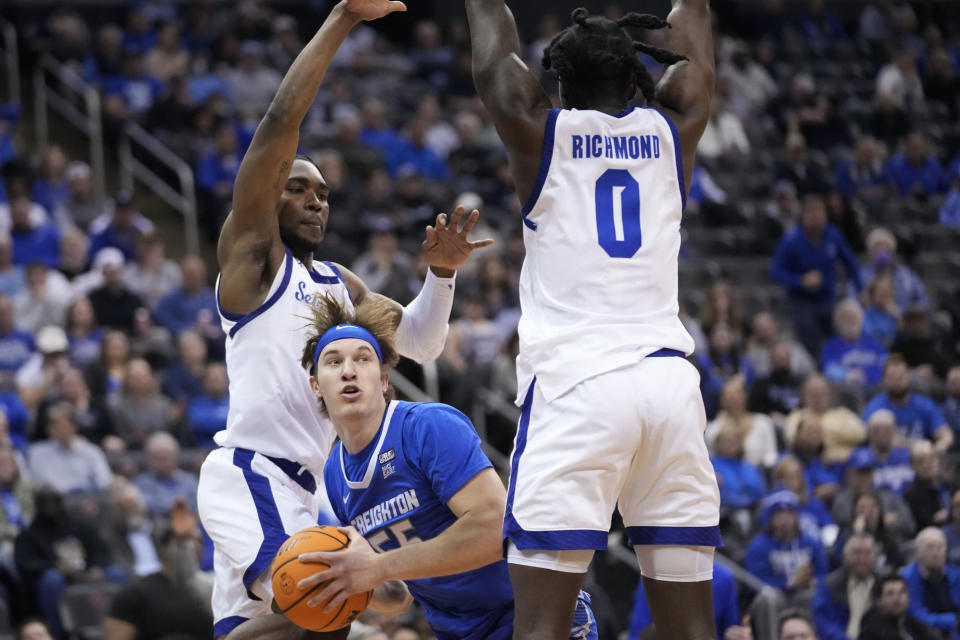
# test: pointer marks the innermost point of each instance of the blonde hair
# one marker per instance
(376, 314)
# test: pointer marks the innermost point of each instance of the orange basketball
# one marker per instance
(288, 571)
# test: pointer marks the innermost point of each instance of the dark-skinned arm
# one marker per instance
(685, 91)
(250, 249)
(512, 95)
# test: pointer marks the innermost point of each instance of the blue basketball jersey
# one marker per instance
(395, 492)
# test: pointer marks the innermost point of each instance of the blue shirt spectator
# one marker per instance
(39, 245)
(17, 417)
(163, 483)
(188, 305)
(934, 586)
(814, 246)
(879, 325)
(951, 404)
(16, 346)
(882, 261)
(217, 171)
(781, 549)
(414, 155)
(137, 90)
(917, 417)
(121, 231)
(831, 602)
(726, 610)
(892, 471)
(741, 483)
(207, 413)
(862, 358)
(915, 172)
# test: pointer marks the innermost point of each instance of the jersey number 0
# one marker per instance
(618, 213)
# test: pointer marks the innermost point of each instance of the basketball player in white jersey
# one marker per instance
(264, 483)
(612, 414)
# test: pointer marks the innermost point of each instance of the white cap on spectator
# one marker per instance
(108, 257)
(469, 201)
(879, 235)
(51, 339)
(77, 171)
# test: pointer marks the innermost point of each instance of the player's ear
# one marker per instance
(315, 387)
(384, 378)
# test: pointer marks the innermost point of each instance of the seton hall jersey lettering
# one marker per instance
(272, 409)
(598, 289)
(395, 492)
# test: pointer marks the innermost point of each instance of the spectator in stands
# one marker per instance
(798, 167)
(183, 379)
(779, 214)
(882, 259)
(67, 462)
(923, 349)
(794, 624)
(253, 83)
(764, 335)
(140, 409)
(40, 375)
(720, 364)
(9, 114)
(113, 303)
(73, 254)
(152, 275)
(106, 375)
(933, 584)
(121, 230)
(83, 333)
(783, 557)
(845, 595)
(285, 43)
(32, 242)
(850, 358)
(751, 85)
(941, 83)
(16, 346)
(90, 414)
(38, 305)
(778, 393)
(726, 610)
(951, 403)
(171, 603)
(952, 531)
(881, 318)
(16, 186)
(724, 135)
(12, 278)
(918, 416)
(915, 172)
(81, 206)
(897, 517)
(153, 343)
(756, 430)
(929, 493)
(890, 618)
(891, 470)
(950, 210)
(385, 267)
(33, 629)
(163, 483)
(50, 189)
(869, 517)
(193, 305)
(805, 263)
(413, 154)
(169, 58)
(722, 307)
(130, 94)
(128, 531)
(741, 483)
(812, 514)
(822, 478)
(888, 121)
(16, 501)
(54, 552)
(900, 80)
(849, 216)
(862, 174)
(216, 173)
(207, 413)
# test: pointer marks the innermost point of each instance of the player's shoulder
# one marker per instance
(432, 413)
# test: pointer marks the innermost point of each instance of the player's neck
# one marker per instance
(358, 429)
(304, 257)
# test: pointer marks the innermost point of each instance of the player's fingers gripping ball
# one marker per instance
(288, 571)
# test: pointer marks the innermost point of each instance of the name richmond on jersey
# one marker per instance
(588, 146)
(398, 505)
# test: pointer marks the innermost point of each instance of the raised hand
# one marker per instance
(372, 9)
(446, 246)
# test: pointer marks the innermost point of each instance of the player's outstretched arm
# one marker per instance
(422, 324)
(687, 88)
(250, 250)
(517, 103)
(474, 540)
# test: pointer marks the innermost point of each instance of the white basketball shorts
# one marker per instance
(250, 504)
(630, 438)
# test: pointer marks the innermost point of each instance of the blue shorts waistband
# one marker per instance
(667, 353)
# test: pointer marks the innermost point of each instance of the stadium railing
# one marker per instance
(11, 62)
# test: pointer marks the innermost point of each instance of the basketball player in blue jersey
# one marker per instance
(612, 414)
(264, 483)
(413, 482)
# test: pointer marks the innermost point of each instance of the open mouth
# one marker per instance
(350, 391)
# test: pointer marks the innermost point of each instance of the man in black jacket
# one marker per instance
(889, 619)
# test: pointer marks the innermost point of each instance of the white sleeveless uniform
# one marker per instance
(603, 422)
(265, 482)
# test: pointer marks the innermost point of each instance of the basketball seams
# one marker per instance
(302, 596)
(335, 617)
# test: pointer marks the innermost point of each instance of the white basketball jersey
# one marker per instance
(272, 409)
(598, 289)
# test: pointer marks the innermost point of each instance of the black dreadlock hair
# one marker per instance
(598, 53)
